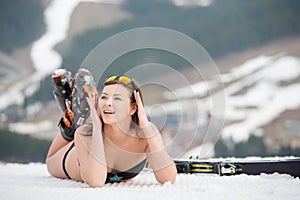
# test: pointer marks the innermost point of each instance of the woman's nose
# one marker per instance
(108, 102)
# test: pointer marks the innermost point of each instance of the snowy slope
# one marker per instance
(57, 18)
(32, 181)
(256, 92)
(271, 87)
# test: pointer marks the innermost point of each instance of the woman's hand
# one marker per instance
(160, 161)
(92, 100)
(143, 119)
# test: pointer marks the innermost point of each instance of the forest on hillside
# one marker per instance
(224, 27)
(21, 23)
(15, 147)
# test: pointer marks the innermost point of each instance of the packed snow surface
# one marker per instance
(32, 181)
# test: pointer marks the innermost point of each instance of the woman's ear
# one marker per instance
(133, 109)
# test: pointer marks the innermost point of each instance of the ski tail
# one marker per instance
(235, 167)
(286, 166)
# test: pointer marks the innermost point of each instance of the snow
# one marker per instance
(256, 92)
(31, 128)
(284, 69)
(32, 181)
(190, 3)
(57, 17)
(267, 97)
(198, 89)
(44, 57)
(247, 68)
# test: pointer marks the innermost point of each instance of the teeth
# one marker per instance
(108, 112)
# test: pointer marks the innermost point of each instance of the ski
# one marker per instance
(239, 166)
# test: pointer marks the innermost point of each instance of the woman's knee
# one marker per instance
(54, 165)
(51, 167)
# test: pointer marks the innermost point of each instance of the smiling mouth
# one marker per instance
(108, 112)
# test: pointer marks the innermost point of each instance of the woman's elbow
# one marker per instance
(167, 179)
(96, 183)
(95, 180)
(173, 173)
(93, 173)
(171, 177)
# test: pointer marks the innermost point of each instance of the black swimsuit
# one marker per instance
(111, 178)
(126, 175)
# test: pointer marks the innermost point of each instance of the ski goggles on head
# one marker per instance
(123, 79)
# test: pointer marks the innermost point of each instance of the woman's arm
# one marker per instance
(159, 160)
(93, 163)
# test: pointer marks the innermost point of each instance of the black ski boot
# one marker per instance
(62, 88)
(83, 85)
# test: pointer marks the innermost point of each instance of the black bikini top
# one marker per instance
(132, 172)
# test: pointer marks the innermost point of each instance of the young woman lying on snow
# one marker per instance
(111, 145)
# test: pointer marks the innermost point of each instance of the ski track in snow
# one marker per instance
(32, 181)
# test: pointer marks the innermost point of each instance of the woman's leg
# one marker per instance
(62, 89)
(55, 156)
(63, 157)
(79, 163)
(56, 145)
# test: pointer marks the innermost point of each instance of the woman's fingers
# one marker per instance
(141, 112)
(91, 99)
(138, 98)
(138, 101)
(88, 98)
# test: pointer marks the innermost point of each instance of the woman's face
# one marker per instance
(115, 105)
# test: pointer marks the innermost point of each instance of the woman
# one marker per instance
(116, 144)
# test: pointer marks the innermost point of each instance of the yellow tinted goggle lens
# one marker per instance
(111, 79)
(123, 79)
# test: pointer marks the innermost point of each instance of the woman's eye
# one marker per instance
(117, 98)
(103, 97)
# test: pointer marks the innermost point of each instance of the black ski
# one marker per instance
(239, 166)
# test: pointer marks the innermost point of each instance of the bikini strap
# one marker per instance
(64, 160)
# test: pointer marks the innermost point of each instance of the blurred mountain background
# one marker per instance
(231, 31)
